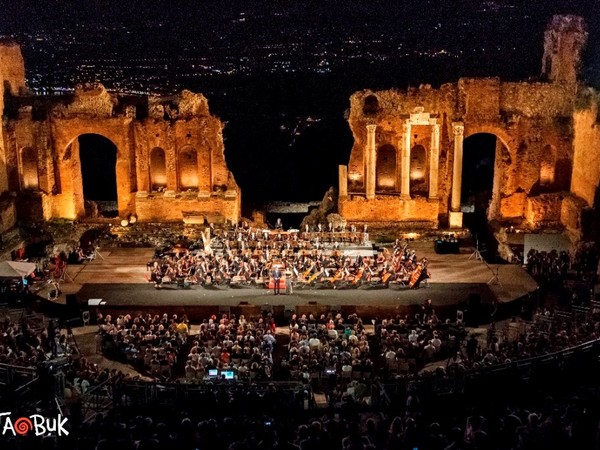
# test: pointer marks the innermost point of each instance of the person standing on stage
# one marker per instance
(276, 279)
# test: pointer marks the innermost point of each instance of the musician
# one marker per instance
(421, 272)
(427, 308)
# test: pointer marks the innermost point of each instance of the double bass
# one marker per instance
(420, 273)
(415, 277)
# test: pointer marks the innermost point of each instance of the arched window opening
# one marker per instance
(371, 105)
(29, 169)
(418, 170)
(547, 167)
(386, 168)
(188, 169)
(158, 170)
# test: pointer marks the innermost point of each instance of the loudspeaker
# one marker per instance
(473, 310)
(73, 323)
(474, 302)
(288, 313)
(71, 300)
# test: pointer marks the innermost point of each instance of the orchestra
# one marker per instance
(248, 256)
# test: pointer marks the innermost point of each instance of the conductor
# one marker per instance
(276, 279)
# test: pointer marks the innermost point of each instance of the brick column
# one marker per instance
(434, 158)
(405, 176)
(343, 181)
(371, 159)
(458, 129)
(455, 213)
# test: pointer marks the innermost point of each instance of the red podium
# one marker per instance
(281, 283)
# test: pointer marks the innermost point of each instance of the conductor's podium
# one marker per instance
(281, 283)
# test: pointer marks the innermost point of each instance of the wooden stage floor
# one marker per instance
(118, 277)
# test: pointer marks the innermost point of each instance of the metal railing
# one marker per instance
(98, 398)
(140, 393)
(12, 375)
(473, 380)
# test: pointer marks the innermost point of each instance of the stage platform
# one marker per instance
(459, 281)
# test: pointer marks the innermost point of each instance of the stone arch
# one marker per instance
(70, 202)
(158, 169)
(97, 157)
(505, 139)
(505, 145)
(188, 169)
(386, 168)
(418, 170)
(483, 153)
(29, 169)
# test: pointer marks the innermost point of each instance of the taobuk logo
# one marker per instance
(35, 423)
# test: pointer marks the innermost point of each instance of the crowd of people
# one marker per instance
(243, 347)
(533, 342)
(245, 255)
(328, 347)
(328, 351)
(552, 265)
(529, 424)
(157, 345)
(411, 342)
(152, 343)
(46, 350)
(23, 346)
(564, 279)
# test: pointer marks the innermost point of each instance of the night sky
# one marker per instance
(280, 73)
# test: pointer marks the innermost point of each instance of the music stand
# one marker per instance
(97, 254)
(64, 276)
(495, 278)
(476, 253)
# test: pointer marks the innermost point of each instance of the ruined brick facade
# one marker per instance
(406, 163)
(405, 166)
(169, 153)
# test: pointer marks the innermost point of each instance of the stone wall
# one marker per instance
(537, 99)
(12, 76)
(12, 67)
(160, 207)
(417, 212)
(586, 159)
(532, 122)
(544, 210)
(178, 125)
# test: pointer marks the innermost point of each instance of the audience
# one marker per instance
(269, 406)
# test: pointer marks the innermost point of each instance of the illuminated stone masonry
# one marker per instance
(169, 153)
(406, 163)
(405, 167)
